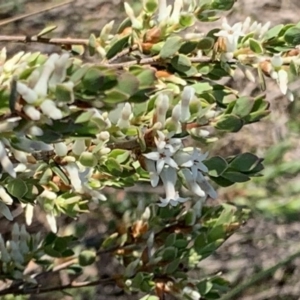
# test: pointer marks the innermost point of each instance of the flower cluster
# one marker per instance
(170, 158)
(232, 34)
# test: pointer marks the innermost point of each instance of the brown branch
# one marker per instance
(123, 53)
(38, 290)
(17, 18)
(43, 40)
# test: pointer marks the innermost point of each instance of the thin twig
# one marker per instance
(17, 18)
(43, 40)
(123, 53)
(71, 285)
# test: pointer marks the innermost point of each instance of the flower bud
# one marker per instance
(125, 115)
(49, 108)
(61, 149)
(277, 60)
(29, 95)
(78, 146)
(162, 105)
(32, 112)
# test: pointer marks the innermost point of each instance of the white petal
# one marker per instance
(152, 155)
(160, 165)
(5, 197)
(154, 179)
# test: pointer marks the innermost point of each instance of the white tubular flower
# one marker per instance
(246, 24)
(191, 183)
(163, 155)
(187, 95)
(73, 172)
(192, 160)
(173, 123)
(264, 29)
(49, 108)
(283, 81)
(169, 178)
(162, 105)
(61, 149)
(162, 10)
(151, 168)
(192, 294)
(29, 95)
(277, 61)
(60, 70)
(5, 162)
(175, 16)
(51, 222)
(32, 112)
(231, 35)
(33, 78)
(78, 147)
(41, 87)
(106, 30)
(114, 115)
(29, 214)
(5, 197)
(130, 13)
(205, 186)
(125, 116)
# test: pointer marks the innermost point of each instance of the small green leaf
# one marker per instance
(235, 176)
(117, 46)
(245, 162)
(151, 6)
(169, 253)
(204, 287)
(63, 93)
(181, 63)
(17, 188)
(86, 258)
(170, 240)
(273, 32)
(170, 47)
(222, 4)
(206, 43)
(200, 242)
(243, 106)
(231, 123)
(4, 210)
(201, 87)
(173, 266)
(292, 36)
(256, 46)
(46, 30)
(216, 166)
(92, 79)
(92, 44)
(188, 47)
(115, 96)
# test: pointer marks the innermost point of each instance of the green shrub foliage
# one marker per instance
(135, 115)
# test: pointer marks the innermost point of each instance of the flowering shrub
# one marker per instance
(138, 114)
